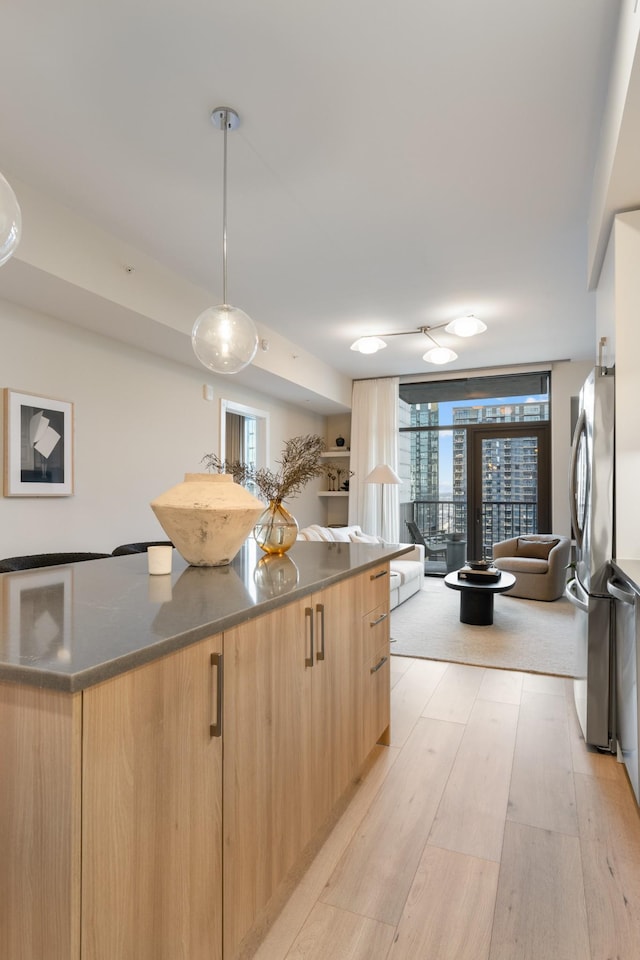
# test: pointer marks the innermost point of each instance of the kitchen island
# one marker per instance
(171, 747)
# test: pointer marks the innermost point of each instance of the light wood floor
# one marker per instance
(486, 831)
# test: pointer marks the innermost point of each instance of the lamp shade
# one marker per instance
(383, 473)
(368, 344)
(466, 326)
(224, 339)
(440, 355)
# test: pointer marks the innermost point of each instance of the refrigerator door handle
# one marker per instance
(571, 595)
(576, 522)
(618, 592)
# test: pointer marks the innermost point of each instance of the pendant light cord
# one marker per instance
(224, 212)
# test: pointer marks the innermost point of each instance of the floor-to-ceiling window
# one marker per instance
(477, 455)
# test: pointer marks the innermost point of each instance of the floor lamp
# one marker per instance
(382, 474)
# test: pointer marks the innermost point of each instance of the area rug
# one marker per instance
(526, 635)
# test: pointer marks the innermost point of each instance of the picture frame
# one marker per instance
(38, 445)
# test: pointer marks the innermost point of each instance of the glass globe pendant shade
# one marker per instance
(224, 339)
(10, 221)
(440, 355)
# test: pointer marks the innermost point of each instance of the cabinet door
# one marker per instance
(268, 818)
(40, 755)
(336, 693)
(152, 820)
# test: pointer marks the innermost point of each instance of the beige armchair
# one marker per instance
(538, 562)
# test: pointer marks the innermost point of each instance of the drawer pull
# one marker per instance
(215, 729)
(308, 612)
(380, 573)
(375, 669)
(320, 614)
(374, 623)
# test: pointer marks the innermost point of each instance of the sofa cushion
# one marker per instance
(522, 564)
(407, 569)
(537, 549)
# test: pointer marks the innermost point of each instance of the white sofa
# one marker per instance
(407, 571)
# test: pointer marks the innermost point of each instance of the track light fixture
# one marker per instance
(468, 326)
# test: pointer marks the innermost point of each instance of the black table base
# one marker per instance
(476, 607)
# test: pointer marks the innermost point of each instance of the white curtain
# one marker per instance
(374, 440)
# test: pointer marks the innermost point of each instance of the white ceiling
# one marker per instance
(398, 164)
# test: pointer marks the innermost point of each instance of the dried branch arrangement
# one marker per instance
(300, 462)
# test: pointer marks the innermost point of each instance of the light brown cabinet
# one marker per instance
(111, 818)
(152, 812)
(112, 831)
(295, 686)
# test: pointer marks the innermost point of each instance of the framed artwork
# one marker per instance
(38, 446)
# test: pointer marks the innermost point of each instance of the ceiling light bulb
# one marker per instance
(440, 355)
(368, 345)
(466, 326)
(10, 221)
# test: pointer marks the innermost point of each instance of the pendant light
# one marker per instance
(224, 338)
(10, 221)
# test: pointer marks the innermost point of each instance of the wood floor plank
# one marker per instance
(333, 934)
(410, 695)
(586, 759)
(449, 910)
(610, 838)
(375, 874)
(540, 907)
(455, 695)
(472, 812)
(504, 686)
(612, 894)
(399, 666)
(542, 790)
(542, 683)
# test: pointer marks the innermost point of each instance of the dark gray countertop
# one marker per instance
(629, 569)
(71, 626)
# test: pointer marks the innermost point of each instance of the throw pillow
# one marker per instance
(364, 538)
(535, 549)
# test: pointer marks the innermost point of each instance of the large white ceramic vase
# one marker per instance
(207, 517)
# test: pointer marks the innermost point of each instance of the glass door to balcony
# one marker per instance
(509, 484)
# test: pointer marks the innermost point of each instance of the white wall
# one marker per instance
(626, 304)
(141, 423)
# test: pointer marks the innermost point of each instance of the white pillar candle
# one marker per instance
(159, 560)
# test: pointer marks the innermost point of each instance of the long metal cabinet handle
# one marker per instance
(375, 669)
(380, 573)
(617, 590)
(320, 614)
(308, 613)
(573, 509)
(374, 623)
(215, 729)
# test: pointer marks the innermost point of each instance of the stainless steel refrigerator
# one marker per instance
(592, 515)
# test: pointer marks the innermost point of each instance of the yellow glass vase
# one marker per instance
(275, 530)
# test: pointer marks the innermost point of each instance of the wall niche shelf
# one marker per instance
(333, 493)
